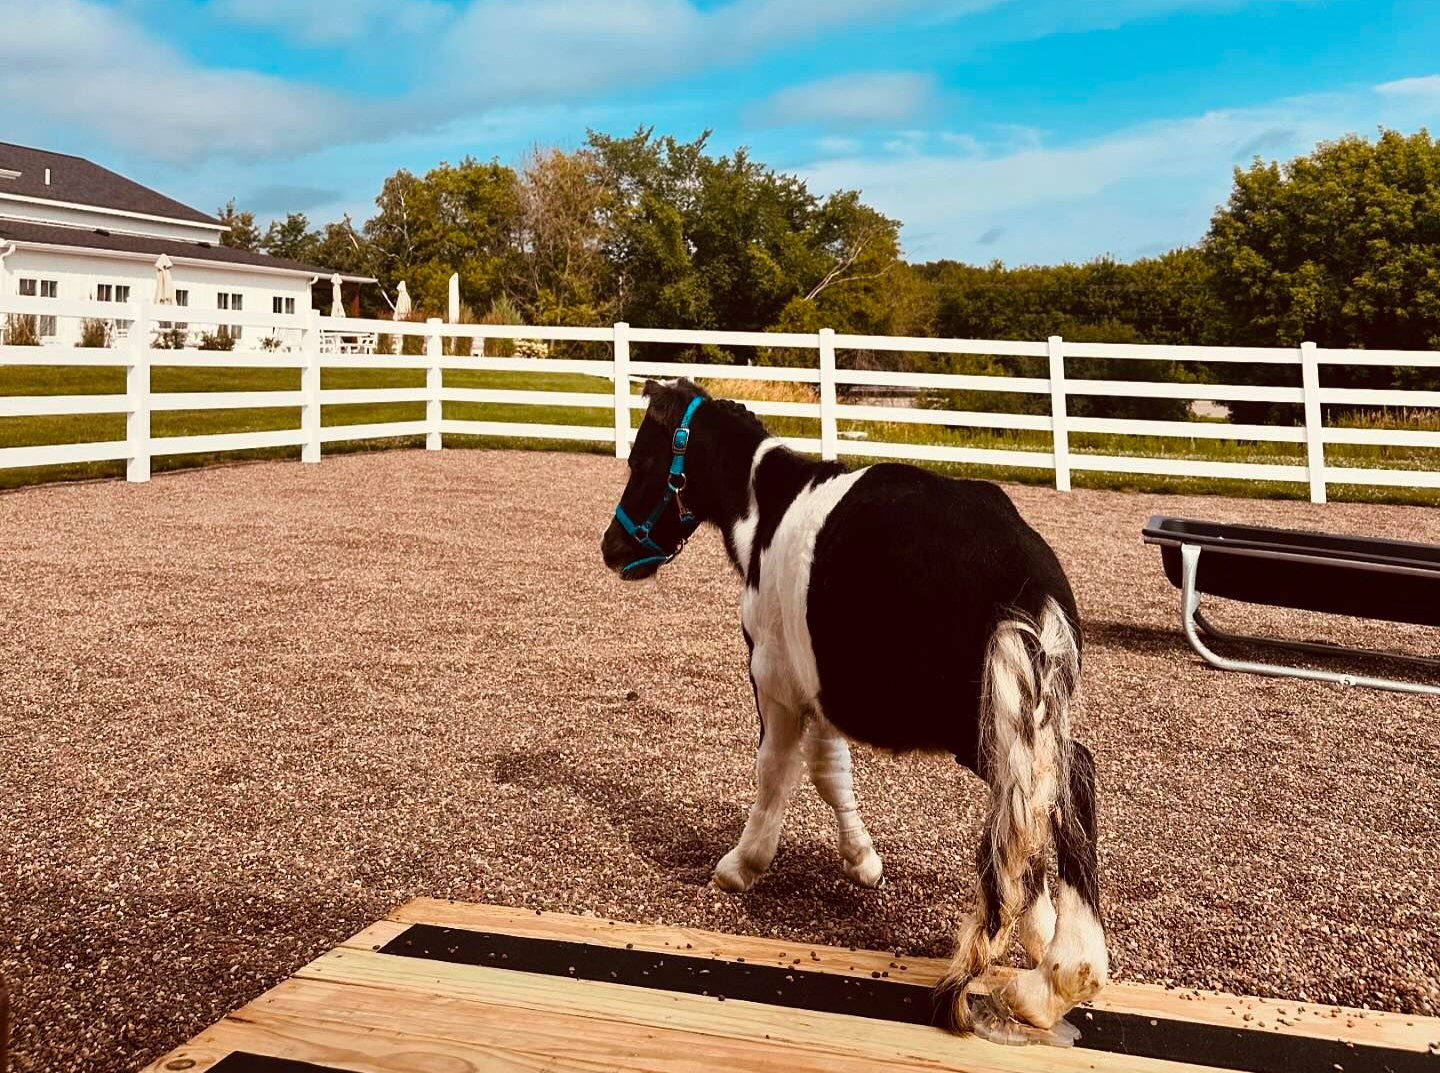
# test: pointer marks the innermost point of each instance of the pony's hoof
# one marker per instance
(993, 1022)
(732, 875)
(869, 871)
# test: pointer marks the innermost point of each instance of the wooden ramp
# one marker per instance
(449, 987)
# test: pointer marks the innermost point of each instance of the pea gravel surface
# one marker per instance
(244, 711)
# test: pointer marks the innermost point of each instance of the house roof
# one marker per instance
(143, 245)
(79, 181)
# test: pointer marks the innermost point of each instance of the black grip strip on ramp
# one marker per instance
(1250, 1050)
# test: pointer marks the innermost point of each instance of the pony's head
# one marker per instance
(653, 521)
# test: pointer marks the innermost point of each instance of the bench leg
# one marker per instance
(1193, 622)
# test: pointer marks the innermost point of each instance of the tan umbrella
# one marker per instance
(164, 284)
(337, 306)
(402, 303)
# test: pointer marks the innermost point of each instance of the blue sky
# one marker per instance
(1030, 131)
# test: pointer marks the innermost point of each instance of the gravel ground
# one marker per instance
(246, 710)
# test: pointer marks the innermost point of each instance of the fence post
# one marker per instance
(622, 390)
(829, 426)
(137, 397)
(310, 388)
(1314, 422)
(1059, 420)
(432, 385)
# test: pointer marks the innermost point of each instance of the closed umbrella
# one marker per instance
(402, 303)
(337, 306)
(164, 284)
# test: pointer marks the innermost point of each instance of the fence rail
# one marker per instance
(135, 353)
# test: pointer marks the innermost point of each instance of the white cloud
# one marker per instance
(1139, 187)
(850, 100)
(546, 49)
(79, 63)
(834, 146)
(320, 23)
(1424, 86)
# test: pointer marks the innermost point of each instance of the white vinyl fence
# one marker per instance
(317, 350)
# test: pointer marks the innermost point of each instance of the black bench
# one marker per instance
(1366, 577)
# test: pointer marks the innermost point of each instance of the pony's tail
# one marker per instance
(1031, 669)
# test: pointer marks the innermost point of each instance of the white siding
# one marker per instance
(77, 275)
(46, 213)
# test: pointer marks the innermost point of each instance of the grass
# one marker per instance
(38, 380)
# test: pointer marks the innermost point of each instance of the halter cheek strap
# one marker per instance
(674, 485)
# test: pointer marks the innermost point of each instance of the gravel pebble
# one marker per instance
(244, 711)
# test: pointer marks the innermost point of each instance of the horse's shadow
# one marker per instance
(685, 838)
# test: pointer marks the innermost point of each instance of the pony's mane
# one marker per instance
(740, 413)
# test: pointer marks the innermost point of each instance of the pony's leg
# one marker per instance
(776, 767)
(827, 754)
(1076, 964)
(1037, 925)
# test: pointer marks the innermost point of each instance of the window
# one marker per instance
(222, 301)
(103, 292)
(44, 288)
(230, 301)
(237, 302)
(182, 298)
(282, 305)
(122, 294)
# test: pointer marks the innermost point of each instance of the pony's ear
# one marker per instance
(651, 388)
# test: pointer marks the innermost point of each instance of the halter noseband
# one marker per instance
(674, 485)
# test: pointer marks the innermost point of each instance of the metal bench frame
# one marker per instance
(1195, 624)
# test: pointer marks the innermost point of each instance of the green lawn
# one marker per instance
(27, 431)
(90, 428)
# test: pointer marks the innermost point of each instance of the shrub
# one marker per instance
(531, 348)
(461, 346)
(502, 311)
(219, 339)
(170, 339)
(21, 330)
(94, 332)
(270, 343)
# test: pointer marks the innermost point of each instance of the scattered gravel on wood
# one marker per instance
(244, 711)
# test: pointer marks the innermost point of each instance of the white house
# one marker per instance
(72, 229)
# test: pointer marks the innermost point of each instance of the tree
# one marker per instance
(564, 211)
(456, 218)
(1340, 247)
(243, 234)
(292, 239)
(697, 241)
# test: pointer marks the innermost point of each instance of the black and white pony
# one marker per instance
(906, 610)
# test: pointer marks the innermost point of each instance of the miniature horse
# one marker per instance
(906, 610)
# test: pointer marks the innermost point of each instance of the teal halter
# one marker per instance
(674, 485)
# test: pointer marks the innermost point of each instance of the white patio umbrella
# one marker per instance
(454, 303)
(402, 302)
(164, 284)
(337, 306)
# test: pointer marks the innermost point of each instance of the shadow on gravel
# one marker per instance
(684, 839)
(1151, 640)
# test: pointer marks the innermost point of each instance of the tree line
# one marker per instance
(1341, 247)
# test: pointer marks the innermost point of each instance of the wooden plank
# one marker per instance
(366, 1028)
(1369, 1027)
(410, 984)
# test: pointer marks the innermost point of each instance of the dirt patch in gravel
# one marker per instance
(244, 711)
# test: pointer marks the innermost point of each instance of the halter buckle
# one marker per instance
(680, 440)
